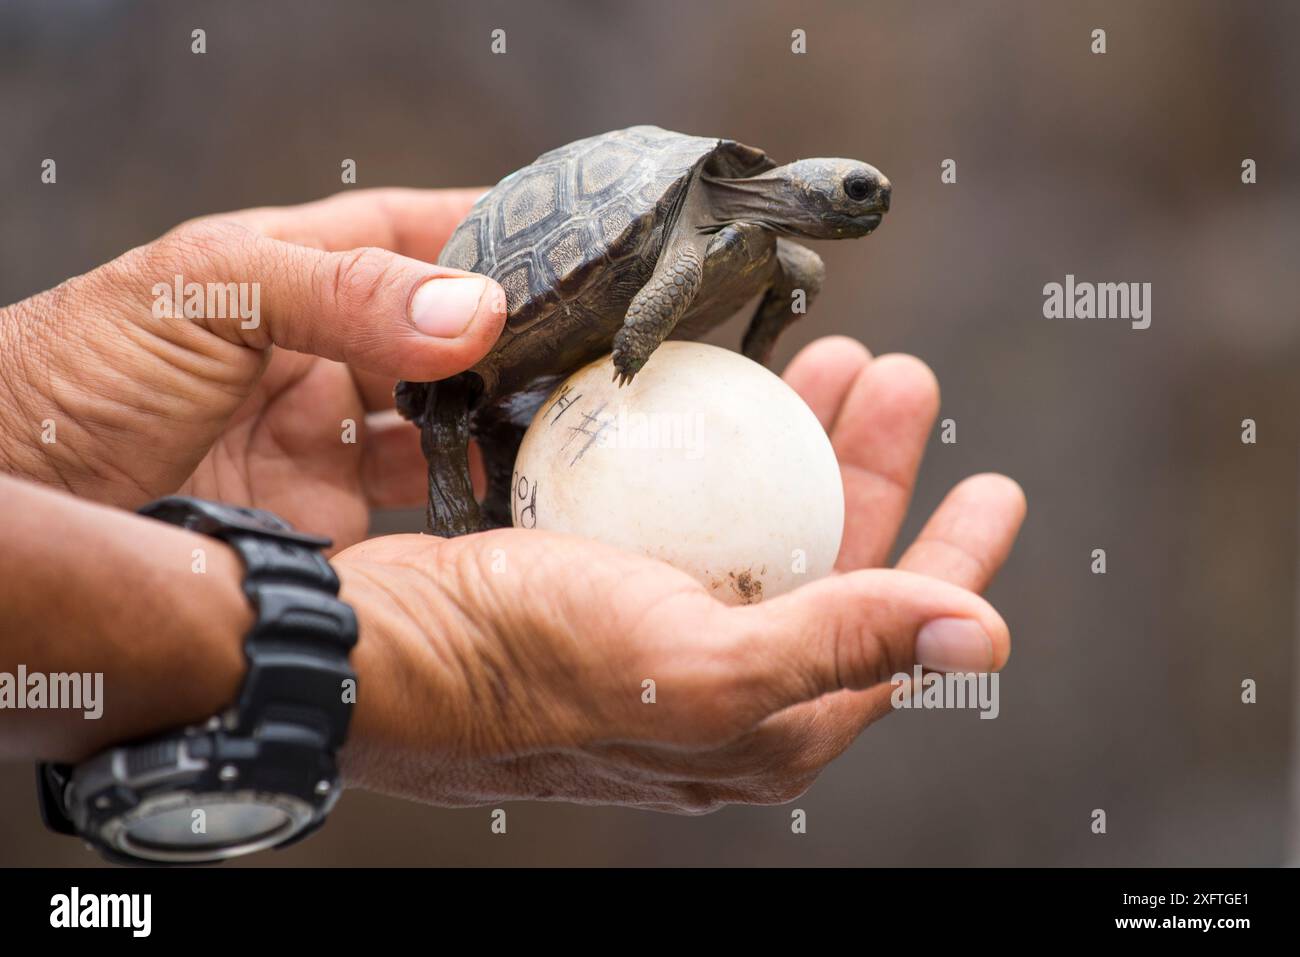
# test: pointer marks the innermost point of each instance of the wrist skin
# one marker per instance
(90, 588)
(87, 588)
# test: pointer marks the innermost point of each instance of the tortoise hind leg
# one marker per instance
(499, 442)
(500, 430)
(444, 438)
(799, 269)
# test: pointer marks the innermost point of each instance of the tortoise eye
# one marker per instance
(857, 187)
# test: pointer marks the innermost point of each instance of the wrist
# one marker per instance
(266, 757)
(156, 610)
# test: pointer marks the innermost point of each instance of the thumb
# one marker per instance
(859, 629)
(368, 307)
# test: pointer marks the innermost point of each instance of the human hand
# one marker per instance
(509, 664)
(144, 405)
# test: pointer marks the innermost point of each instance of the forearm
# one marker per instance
(91, 590)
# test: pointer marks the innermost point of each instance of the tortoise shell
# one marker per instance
(576, 233)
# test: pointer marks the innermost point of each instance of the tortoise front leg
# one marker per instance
(662, 301)
(798, 269)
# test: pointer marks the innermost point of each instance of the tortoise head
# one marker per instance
(815, 198)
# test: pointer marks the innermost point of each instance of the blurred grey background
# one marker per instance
(1123, 691)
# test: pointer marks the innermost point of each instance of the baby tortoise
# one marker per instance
(620, 241)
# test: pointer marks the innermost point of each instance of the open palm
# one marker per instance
(513, 662)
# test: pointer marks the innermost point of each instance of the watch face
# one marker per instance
(181, 827)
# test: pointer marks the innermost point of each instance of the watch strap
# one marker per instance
(275, 745)
(298, 646)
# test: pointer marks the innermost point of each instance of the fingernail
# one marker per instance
(445, 307)
(954, 645)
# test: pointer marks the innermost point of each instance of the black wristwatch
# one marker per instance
(262, 774)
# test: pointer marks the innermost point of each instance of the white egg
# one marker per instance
(706, 460)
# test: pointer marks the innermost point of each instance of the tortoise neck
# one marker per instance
(766, 199)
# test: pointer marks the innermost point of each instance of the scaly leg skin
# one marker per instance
(798, 268)
(500, 430)
(444, 438)
(655, 310)
(499, 454)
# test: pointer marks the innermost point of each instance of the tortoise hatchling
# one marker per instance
(618, 242)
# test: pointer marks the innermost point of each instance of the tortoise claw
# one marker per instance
(622, 375)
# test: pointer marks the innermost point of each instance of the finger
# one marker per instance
(965, 542)
(823, 372)
(368, 307)
(412, 222)
(855, 630)
(879, 437)
(970, 534)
